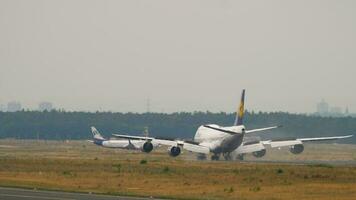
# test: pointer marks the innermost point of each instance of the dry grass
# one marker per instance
(78, 166)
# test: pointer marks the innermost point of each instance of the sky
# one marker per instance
(186, 55)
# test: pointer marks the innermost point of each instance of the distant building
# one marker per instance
(14, 106)
(335, 111)
(322, 108)
(347, 111)
(2, 108)
(48, 106)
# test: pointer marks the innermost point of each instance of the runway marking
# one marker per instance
(34, 197)
(59, 193)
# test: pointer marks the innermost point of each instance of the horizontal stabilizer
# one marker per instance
(221, 130)
(262, 129)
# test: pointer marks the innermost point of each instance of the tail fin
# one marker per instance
(96, 134)
(240, 112)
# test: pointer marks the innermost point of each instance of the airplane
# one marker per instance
(143, 146)
(226, 141)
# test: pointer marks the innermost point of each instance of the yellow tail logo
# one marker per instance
(240, 111)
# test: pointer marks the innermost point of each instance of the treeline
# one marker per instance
(61, 125)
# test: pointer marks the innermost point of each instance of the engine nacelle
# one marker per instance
(174, 151)
(259, 154)
(297, 149)
(147, 147)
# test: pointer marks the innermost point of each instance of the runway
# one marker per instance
(26, 194)
(350, 163)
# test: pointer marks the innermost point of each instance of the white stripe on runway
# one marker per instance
(34, 197)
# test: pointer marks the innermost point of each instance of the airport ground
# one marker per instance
(323, 171)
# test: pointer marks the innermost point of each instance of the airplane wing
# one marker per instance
(282, 143)
(291, 142)
(255, 146)
(196, 148)
(249, 148)
(190, 146)
(132, 137)
(324, 138)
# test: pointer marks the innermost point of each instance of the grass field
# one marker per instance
(83, 167)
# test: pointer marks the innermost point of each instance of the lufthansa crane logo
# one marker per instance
(241, 110)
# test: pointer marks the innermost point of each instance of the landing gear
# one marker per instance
(240, 157)
(227, 156)
(215, 157)
(201, 156)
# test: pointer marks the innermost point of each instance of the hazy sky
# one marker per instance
(184, 55)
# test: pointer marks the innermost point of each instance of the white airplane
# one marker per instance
(226, 141)
(99, 140)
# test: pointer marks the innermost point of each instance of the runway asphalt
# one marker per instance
(306, 162)
(26, 194)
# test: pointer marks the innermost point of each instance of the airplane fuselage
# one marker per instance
(220, 142)
(122, 144)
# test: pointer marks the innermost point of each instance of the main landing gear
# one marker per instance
(240, 157)
(215, 157)
(201, 156)
(227, 156)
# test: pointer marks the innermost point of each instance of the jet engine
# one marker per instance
(296, 149)
(147, 147)
(174, 151)
(259, 154)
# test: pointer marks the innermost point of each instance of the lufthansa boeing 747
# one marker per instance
(212, 139)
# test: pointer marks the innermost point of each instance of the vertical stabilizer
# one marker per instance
(96, 134)
(241, 110)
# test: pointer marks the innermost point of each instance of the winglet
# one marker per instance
(240, 112)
